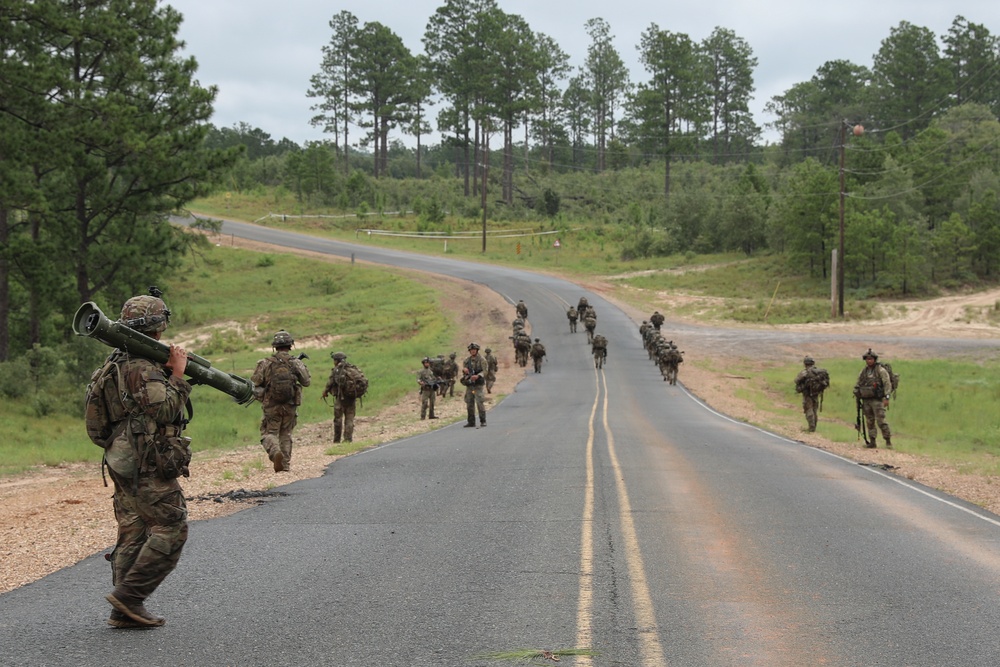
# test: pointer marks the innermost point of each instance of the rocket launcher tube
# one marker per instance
(90, 321)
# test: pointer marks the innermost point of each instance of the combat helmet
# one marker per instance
(870, 354)
(282, 339)
(453, 355)
(808, 361)
(147, 313)
(338, 356)
(473, 346)
(488, 350)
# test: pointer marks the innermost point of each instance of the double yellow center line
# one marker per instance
(651, 650)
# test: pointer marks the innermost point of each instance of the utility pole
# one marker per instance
(840, 253)
(857, 131)
(486, 169)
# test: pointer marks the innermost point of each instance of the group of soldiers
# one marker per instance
(662, 352)
(876, 384)
(149, 503)
(524, 347)
(437, 379)
(278, 381)
(598, 343)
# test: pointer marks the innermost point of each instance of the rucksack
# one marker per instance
(281, 386)
(351, 382)
(600, 342)
(893, 379)
(104, 405)
(816, 380)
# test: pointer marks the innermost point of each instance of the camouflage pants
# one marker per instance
(343, 419)
(572, 326)
(671, 373)
(809, 407)
(427, 396)
(491, 378)
(276, 431)
(475, 400)
(152, 529)
(874, 413)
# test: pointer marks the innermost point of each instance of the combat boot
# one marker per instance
(336, 435)
(134, 610)
(279, 461)
(888, 443)
(432, 416)
(120, 620)
(870, 444)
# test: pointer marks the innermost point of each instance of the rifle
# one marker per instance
(90, 321)
(859, 425)
(302, 356)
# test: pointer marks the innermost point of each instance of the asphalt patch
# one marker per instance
(240, 496)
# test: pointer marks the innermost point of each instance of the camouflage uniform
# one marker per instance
(522, 310)
(450, 374)
(872, 390)
(492, 366)
(280, 417)
(572, 315)
(537, 354)
(344, 408)
(150, 511)
(656, 319)
(810, 403)
(590, 323)
(428, 389)
(599, 348)
(474, 378)
(670, 359)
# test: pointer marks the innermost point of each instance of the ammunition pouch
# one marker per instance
(169, 452)
(865, 391)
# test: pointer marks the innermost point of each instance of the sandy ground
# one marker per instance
(56, 516)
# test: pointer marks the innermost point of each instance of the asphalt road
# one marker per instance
(603, 512)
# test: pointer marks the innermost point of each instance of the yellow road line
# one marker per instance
(585, 600)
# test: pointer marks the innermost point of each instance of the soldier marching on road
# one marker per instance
(492, 366)
(428, 389)
(474, 379)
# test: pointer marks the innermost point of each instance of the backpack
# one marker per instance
(351, 382)
(600, 342)
(816, 380)
(537, 350)
(281, 386)
(103, 403)
(893, 379)
(437, 365)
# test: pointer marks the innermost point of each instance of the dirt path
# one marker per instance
(56, 516)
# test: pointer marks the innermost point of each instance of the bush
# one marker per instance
(13, 377)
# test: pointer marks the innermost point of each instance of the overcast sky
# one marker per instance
(261, 53)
